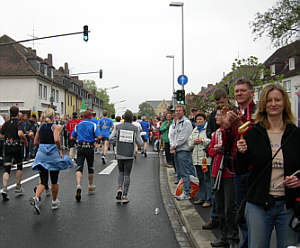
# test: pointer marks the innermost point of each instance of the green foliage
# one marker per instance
(101, 94)
(280, 23)
(204, 103)
(145, 109)
(250, 69)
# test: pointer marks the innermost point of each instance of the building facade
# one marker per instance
(33, 84)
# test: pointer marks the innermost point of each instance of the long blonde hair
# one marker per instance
(48, 115)
(261, 114)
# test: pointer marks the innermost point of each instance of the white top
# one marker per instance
(138, 125)
(1, 120)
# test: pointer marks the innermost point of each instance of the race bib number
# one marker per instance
(126, 136)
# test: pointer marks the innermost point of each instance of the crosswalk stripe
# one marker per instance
(109, 168)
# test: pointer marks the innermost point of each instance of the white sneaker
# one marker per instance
(55, 204)
(125, 199)
(183, 196)
(35, 203)
(91, 189)
(19, 190)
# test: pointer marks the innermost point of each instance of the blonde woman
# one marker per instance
(48, 158)
(272, 148)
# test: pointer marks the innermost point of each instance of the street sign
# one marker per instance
(182, 80)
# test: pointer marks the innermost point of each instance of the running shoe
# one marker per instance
(119, 196)
(145, 154)
(134, 155)
(19, 190)
(103, 159)
(55, 204)
(35, 203)
(34, 190)
(4, 194)
(125, 199)
(91, 189)
(78, 194)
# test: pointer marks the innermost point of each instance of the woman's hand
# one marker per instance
(218, 147)
(242, 145)
(291, 182)
(198, 141)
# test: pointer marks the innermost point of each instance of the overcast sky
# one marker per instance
(130, 39)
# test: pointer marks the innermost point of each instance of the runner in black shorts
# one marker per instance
(13, 133)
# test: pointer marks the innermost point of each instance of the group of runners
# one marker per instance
(86, 134)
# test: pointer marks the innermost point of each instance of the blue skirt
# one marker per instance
(48, 157)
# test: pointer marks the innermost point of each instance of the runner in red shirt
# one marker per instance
(70, 126)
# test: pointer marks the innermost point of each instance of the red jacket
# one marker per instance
(217, 157)
(71, 125)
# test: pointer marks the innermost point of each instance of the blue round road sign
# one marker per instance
(182, 80)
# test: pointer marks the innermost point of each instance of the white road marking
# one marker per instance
(23, 181)
(109, 168)
(14, 167)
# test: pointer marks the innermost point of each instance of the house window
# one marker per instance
(45, 70)
(71, 101)
(287, 85)
(38, 66)
(51, 73)
(40, 91)
(291, 64)
(45, 92)
(68, 100)
(262, 75)
(272, 68)
(57, 95)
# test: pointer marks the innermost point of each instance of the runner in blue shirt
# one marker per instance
(104, 125)
(145, 129)
(85, 133)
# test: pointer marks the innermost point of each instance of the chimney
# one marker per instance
(66, 68)
(49, 60)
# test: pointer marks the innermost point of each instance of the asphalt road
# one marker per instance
(97, 221)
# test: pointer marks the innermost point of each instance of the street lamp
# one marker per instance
(113, 87)
(180, 4)
(173, 79)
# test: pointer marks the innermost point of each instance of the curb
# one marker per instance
(190, 218)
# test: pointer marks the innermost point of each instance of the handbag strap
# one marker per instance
(267, 166)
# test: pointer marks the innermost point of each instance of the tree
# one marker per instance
(250, 69)
(280, 23)
(204, 102)
(147, 110)
(101, 94)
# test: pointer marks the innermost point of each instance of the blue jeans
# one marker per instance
(261, 224)
(184, 168)
(204, 184)
(240, 190)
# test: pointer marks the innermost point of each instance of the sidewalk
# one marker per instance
(190, 217)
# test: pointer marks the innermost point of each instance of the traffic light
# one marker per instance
(85, 33)
(180, 96)
(100, 73)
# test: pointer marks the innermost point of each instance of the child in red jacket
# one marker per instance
(219, 149)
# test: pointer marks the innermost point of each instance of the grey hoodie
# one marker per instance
(125, 135)
(179, 134)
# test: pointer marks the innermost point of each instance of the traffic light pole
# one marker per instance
(41, 38)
